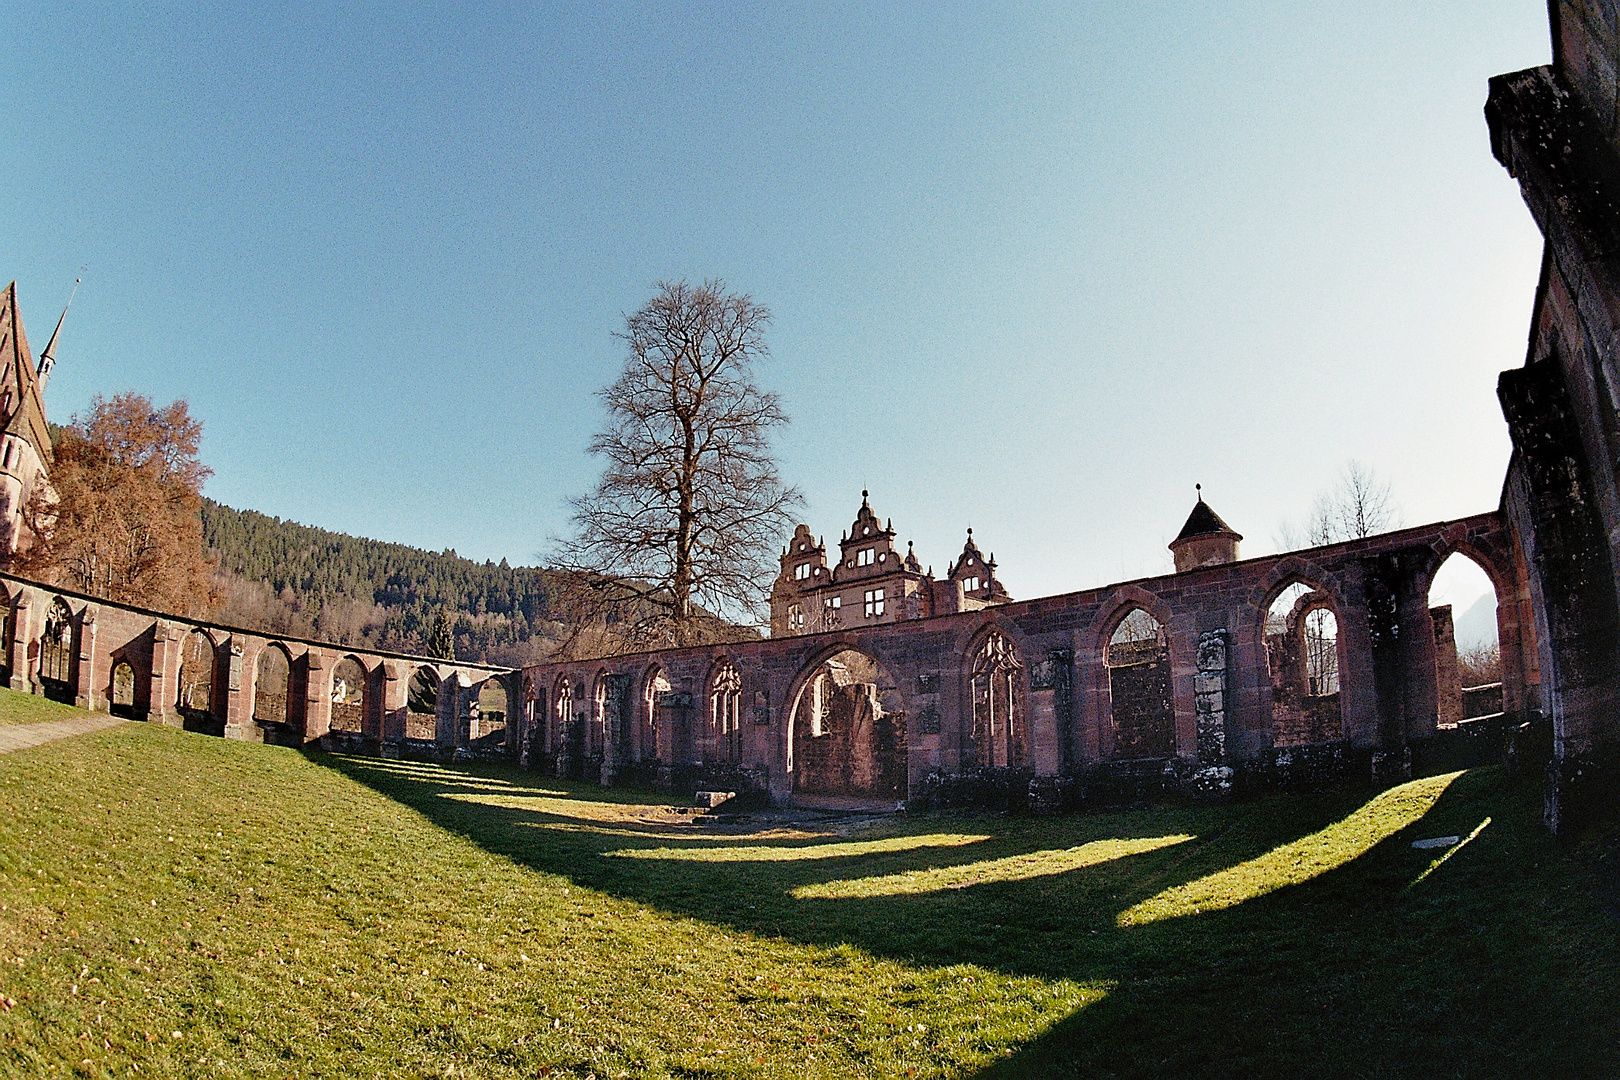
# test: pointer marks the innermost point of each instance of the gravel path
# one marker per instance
(19, 736)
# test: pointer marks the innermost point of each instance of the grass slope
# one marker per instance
(20, 708)
(183, 906)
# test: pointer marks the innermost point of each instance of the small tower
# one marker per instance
(25, 441)
(1205, 540)
(977, 575)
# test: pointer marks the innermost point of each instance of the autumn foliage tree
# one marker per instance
(119, 518)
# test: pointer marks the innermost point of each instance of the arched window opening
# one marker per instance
(725, 708)
(5, 638)
(1302, 651)
(121, 701)
(847, 730)
(570, 729)
(348, 696)
(422, 705)
(489, 723)
(1141, 708)
(999, 738)
(56, 653)
(272, 675)
(195, 699)
(1467, 648)
(657, 737)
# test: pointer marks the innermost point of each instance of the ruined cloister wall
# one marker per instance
(99, 636)
(1214, 627)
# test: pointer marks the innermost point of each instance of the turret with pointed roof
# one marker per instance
(25, 438)
(1205, 540)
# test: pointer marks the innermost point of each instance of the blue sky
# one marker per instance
(1035, 268)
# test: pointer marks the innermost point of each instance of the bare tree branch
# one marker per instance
(684, 523)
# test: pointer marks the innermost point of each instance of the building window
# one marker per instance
(971, 584)
(863, 557)
(801, 571)
(874, 602)
(883, 557)
(795, 617)
(832, 602)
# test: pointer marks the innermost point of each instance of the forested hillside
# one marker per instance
(292, 579)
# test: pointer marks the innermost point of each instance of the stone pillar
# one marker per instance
(448, 720)
(85, 675)
(391, 708)
(317, 695)
(239, 697)
(1448, 676)
(23, 661)
(1209, 697)
(165, 682)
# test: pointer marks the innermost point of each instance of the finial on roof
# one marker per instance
(970, 530)
(864, 493)
(47, 359)
(1200, 489)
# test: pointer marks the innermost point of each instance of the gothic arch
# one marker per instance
(58, 651)
(996, 692)
(272, 685)
(846, 725)
(1137, 689)
(351, 692)
(722, 709)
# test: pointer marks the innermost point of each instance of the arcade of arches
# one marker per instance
(1329, 658)
(1228, 671)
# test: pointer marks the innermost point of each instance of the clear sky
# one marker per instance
(1035, 268)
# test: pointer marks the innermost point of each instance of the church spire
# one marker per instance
(47, 358)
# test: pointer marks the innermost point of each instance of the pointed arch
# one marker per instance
(121, 689)
(1135, 648)
(194, 698)
(57, 652)
(846, 726)
(272, 685)
(996, 692)
(1300, 628)
(422, 704)
(723, 699)
(349, 696)
(657, 726)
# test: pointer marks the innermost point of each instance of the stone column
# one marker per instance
(1209, 697)
(85, 676)
(391, 708)
(165, 681)
(239, 697)
(21, 634)
(317, 695)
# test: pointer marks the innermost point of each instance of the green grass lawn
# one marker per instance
(19, 708)
(174, 905)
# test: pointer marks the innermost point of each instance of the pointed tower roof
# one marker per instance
(47, 359)
(868, 525)
(1204, 521)
(24, 414)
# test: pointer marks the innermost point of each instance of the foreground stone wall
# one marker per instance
(1556, 129)
(217, 679)
(1065, 712)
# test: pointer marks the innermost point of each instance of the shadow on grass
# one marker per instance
(1352, 970)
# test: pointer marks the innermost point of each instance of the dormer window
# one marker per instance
(971, 584)
(801, 571)
(863, 557)
(804, 546)
(883, 556)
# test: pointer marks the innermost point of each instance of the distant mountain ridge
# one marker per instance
(286, 578)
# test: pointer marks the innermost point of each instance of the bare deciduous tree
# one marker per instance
(689, 511)
(1358, 505)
